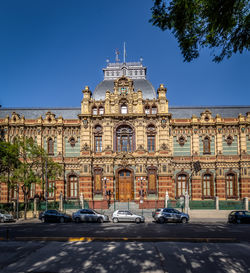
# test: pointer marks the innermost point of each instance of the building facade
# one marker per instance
(126, 143)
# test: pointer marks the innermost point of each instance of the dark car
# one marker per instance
(239, 217)
(53, 215)
(89, 215)
(169, 215)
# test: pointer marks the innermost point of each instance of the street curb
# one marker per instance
(125, 239)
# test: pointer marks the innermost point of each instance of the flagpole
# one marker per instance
(124, 53)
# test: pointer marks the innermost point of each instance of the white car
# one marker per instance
(6, 217)
(126, 216)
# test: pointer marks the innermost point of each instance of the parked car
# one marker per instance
(126, 216)
(53, 215)
(239, 217)
(89, 215)
(6, 217)
(170, 215)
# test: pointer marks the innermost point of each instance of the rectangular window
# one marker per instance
(98, 144)
(51, 189)
(151, 143)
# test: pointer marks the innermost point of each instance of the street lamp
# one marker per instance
(141, 191)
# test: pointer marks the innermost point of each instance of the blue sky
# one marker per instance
(51, 49)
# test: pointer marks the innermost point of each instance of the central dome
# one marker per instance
(135, 71)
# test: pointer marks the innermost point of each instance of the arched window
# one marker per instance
(147, 110)
(50, 147)
(181, 185)
(154, 110)
(124, 139)
(207, 186)
(206, 145)
(124, 109)
(101, 110)
(73, 186)
(94, 111)
(231, 185)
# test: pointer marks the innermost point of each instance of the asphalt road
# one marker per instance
(109, 257)
(148, 230)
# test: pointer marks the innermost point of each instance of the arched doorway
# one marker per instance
(125, 189)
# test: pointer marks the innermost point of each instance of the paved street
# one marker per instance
(150, 230)
(123, 257)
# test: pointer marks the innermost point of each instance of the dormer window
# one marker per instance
(94, 111)
(154, 110)
(147, 110)
(101, 110)
(124, 109)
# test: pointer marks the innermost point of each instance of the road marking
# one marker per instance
(130, 239)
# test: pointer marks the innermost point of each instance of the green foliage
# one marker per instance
(29, 164)
(8, 157)
(222, 25)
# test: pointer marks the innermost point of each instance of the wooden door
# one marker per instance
(125, 186)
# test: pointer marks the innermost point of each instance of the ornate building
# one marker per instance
(125, 143)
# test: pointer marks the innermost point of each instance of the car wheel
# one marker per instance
(184, 220)
(100, 220)
(43, 220)
(161, 220)
(115, 220)
(137, 220)
(77, 220)
(1, 220)
(61, 220)
(238, 221)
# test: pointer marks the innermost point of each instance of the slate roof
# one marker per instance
(142, 84)
(176, 111)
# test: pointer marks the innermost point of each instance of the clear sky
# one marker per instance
(51, 49)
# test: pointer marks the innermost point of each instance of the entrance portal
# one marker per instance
(125, 186)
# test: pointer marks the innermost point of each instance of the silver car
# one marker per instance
(6, 217)
(126, 216)
(89, 215)
(170, 215)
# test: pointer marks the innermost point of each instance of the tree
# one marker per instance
(31, 167)
(9, 161)
(221, 25)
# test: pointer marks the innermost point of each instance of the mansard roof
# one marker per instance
(144, 85)
(176, 111)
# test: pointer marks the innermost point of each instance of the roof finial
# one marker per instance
(124, 52)
(117, 55)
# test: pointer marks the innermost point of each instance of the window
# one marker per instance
(101, 110)
(154, 110)
(72, 142)
(164, 168)
(152, 175)
(231, 185)
(98, 144)
(151, 143)
(124, 109)
(147, 110)
(50, 147)
(73, 186)
(181, 185)
(206, 145)
(124, 139)
(207, 186)
(32, 190)
(94, 111)
(51, 189)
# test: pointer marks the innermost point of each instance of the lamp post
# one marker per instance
(141, 191)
